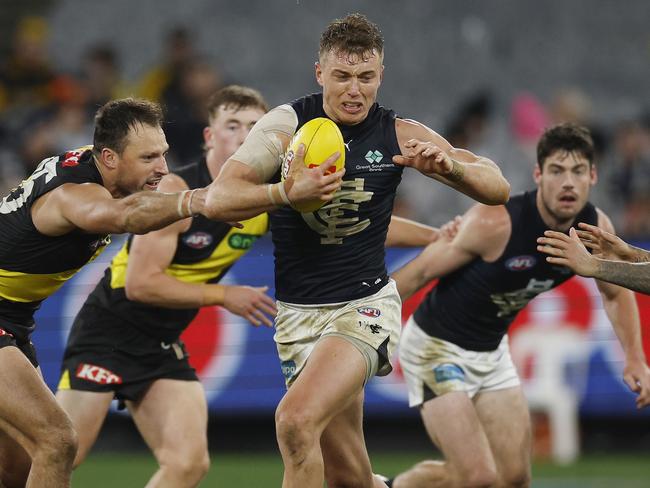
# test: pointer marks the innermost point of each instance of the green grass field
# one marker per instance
(265, 470)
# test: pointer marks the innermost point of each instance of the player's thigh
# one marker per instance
(26, 403)
(455, 427)
(87, 411)
(506, 420)
(330, 381)
(172, 417)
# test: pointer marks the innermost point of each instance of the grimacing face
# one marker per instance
(142, 164)
(563, 186)
(228, 129)
(350, 83)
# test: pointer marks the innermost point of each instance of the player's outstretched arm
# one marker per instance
(622, 311)
(428, 152)
(91, 208)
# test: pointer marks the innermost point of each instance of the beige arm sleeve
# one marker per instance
(263, 150)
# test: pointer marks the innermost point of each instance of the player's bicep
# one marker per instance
(411, 129)
(87, 206)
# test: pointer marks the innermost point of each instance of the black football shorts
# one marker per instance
(105, 353)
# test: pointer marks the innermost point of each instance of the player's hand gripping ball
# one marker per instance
(321, 138)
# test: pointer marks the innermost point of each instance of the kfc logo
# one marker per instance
(97, 374)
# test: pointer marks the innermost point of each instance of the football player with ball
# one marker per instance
(339, 313)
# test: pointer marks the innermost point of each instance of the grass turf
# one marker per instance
(265, 470)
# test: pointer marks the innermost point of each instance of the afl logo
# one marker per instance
(369, 312)
(198, 240)
(286, 163)
(521, 263)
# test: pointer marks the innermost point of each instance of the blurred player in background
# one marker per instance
(454, 350)
(56, 221)
(613, 260)
(125, 342)
(339, 314)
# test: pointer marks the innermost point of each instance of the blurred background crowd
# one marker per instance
(489, 76)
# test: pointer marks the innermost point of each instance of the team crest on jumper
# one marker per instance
(340, 217)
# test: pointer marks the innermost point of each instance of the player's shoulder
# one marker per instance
(604, 222)
(75, 166)
(485, 226)
(487, 216)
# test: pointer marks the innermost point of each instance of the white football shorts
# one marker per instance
(433, 367)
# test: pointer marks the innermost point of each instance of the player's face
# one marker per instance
(564, 185)
(142, 164)
(227, 130)
(350, 83)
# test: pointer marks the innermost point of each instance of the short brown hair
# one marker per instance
(236, 97)
(115, 118)
(354, 34)
(567, 137)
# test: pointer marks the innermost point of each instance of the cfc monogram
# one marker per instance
(330, 221)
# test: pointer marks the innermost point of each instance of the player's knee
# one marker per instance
(59, 444)
(295, 430)
(189, 467)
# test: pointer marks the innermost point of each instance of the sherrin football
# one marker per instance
(321, 138)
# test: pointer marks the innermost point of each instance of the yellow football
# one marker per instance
(321, 138)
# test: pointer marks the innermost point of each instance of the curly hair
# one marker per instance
(354, 34)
